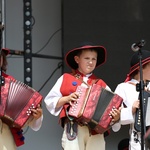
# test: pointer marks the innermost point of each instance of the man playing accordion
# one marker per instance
(82, 60)
(128, 91)
(11, 137)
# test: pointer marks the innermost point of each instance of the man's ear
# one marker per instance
(76, 58)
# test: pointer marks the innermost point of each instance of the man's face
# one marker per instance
(86, 61)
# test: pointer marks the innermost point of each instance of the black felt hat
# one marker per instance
(101, 51)
(134, 64)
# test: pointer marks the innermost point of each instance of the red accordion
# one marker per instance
(17, 100)
(93, 107)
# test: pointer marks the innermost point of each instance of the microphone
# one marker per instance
(16, 52)
(136, 46)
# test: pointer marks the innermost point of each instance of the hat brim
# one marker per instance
(6, 51)
(137, 66)
(101, 59)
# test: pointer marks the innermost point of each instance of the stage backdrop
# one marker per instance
(114, 24)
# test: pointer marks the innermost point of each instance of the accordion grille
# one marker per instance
(18, 96)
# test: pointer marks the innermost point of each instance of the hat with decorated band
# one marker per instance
(6, 51)
(134, 63)
(101, 51)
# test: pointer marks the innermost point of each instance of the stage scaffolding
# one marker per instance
(27, 29)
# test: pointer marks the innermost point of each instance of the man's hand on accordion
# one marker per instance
(73, 97)
(115, 114)
(37, 112)
(67, 99)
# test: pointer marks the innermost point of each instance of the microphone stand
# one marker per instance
(140, 88)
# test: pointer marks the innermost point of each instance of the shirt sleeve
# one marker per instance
(36, 124)
(52, 98)
(116, 127)
(108, 88)
(126, 116)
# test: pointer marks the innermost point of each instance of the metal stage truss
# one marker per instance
(27, 52)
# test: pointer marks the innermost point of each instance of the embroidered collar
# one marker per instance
(78, 73)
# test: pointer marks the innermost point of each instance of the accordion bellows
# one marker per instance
(93, 107)
(17, 100)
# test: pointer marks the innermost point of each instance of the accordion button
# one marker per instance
(28, 112)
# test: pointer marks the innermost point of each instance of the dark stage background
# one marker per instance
(113, 24)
